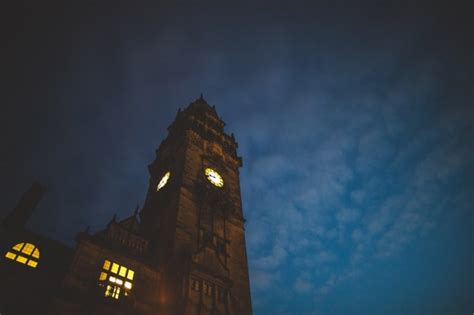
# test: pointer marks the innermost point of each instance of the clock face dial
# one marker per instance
(163, 181)
(214, 177)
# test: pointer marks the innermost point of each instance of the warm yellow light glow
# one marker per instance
(106, 265)
(115, 268)
(112, 291)
(28, 249)
(102, 276)
(24, 253)
(123, 271)
(116, 282)
(163, 181)
(21, 259)
(36, 253)
(108, 290)
(32, 263)
(18, 247)
(214, 177)
(10, 255)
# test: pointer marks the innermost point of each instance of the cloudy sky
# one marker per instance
(354, 121)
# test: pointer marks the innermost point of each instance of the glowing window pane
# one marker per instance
(115, 268)
(163, 181)
(32, 263)
(10, 255)
(123, 271)
(106, 265)
(116, 282)
(28, 249)
(113, 291)
(108, 290)
(116, 293)
(21, 259)
(102, 276)
(17, 247)
(36, 253)
(214, 177)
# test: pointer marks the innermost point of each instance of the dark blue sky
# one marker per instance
(355, 123)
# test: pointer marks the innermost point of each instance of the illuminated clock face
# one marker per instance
(214, 177)
(163, 181)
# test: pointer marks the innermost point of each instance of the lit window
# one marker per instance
(116, 279)
(22, 259)
(112, 291)
(18, 247)
(106, 265)
(24, 253)
(28, 249)
(102, 276)
(115, 268)
(32, 263)
(10, 255)
(123, 271)
(36, 253)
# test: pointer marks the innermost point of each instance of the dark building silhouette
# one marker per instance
(183, 253)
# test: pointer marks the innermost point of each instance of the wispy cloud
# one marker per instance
(344, 186)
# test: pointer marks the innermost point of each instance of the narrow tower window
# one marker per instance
(24, 253)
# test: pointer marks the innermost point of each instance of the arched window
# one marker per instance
(24, 253)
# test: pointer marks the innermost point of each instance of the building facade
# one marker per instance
(183, 252)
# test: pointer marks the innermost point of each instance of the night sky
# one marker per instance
(354, 121)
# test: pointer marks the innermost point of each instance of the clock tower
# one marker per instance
(193, 217)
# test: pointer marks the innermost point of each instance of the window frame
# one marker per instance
(24, 253)
(116, 279)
